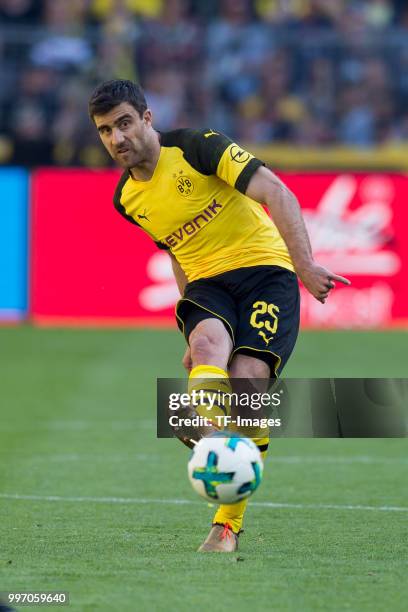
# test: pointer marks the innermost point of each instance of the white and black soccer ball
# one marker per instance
(225, 469)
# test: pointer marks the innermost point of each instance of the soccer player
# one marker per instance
(198, 195)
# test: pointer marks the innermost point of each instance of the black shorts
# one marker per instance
(259, 307)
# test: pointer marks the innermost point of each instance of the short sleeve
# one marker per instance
(236, 166)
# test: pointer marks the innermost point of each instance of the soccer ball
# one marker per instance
(225, 469)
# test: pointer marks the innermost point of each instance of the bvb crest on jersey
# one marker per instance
(185, 185)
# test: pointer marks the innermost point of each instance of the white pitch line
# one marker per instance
(178, 502)
(322, 460)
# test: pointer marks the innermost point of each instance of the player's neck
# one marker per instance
(145, 170)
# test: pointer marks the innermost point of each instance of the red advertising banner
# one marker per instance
(90, 265)
(357, 224)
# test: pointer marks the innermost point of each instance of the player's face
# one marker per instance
(125, 134)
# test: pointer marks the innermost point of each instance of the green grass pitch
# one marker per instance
(96, 511)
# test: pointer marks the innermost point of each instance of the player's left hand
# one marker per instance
(319, 280)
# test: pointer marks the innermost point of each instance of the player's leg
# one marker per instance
(255, 373)
(254, 376)
(207, 316)
(210, 346)
(267, 300)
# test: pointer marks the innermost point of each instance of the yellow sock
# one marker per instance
(210, 383)
(233, 514)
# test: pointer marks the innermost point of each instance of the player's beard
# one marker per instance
(129, 158)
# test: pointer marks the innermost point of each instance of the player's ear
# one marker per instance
(147, 117)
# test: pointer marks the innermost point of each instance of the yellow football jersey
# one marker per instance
(195, 206)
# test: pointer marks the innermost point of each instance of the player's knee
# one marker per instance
(210, 346)
(203, 348)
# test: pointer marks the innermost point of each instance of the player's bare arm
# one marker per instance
(265, 187)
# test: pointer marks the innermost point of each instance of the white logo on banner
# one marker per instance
(164, 293)
(354, 241)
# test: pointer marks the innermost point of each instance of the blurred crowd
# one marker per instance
(303, 72)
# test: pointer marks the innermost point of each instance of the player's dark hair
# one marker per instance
(112, 93)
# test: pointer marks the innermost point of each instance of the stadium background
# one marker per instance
(89, 500)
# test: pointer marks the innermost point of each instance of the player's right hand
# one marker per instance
(319, 280)
(187, 363)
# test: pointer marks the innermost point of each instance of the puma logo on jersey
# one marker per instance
(143, 216)
(211, 133)
(194, 225)
(264, 336)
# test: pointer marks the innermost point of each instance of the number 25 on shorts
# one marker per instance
(262, 308)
